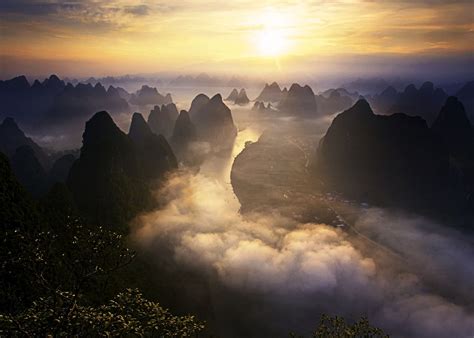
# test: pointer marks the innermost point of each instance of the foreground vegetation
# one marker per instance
(59, 276)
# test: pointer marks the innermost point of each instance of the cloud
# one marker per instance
(299, 271)
(37, 8)
(139, 10)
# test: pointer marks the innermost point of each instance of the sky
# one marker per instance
(112, 37)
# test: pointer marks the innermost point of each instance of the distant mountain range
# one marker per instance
(55, 102)
(425, 101)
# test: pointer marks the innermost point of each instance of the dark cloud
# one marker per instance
(139, 10)
(37, 8)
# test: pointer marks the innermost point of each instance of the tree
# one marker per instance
(336, 327)
(57, 273)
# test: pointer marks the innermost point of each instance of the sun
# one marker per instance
(271, 42)
(272, 39)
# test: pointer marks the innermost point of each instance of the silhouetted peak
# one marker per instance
(19, 82)
(112, 90)
(98, 87)
(216, 99)
(427, 87)
(389, 91)
(454, 127)
(170, 109)
(198, 102)
(139, 129)
(294, 87)
(275, 85)
(233, 95)
(100, 125)
(147, 89)
(36, 84)
(410, 89)
(361, 107)
(184, 130)
(184, 117)
(453, 113)
(54, 81)
(10, 123)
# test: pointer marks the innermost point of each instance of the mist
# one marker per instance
(288, 274)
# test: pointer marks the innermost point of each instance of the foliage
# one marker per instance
(58, 273)
(127, 314)
(337, 327)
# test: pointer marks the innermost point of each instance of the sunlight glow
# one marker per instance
(272, 39)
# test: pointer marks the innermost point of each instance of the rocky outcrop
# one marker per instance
(162, 120)
(78, 103)
(453, 126)
(299, 101)
(60, 169)
(110, 180)
(261, 108)
(184, 135)
(184, 130)
(425, 102)
(242, 98)
(12, 137)
(233, 95)
(466, 96)
(198, 102)
(29, 171)
(213, 121)
(149, 96)
(153, 151)
(335, 102)
(270, 93)
(394, 160)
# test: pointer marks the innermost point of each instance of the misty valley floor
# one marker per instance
(288, 250)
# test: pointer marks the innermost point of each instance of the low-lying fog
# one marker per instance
(267, 275)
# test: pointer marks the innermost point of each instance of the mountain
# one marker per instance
(154, 153)
(149, 96)
(390, 160)
(29, 170)
(17, 209)
(270, 93)
(107, 180)
(201, 80)
(198, 102)
(233, 95)
(213, 121)
(28, 103)
(261, 108)
(425, 102)
(184, 130)
(242, 98)
(453, 126)
(60, 169)
(53, 102)
(383, 101)
(299, 101)
(333, 103)
(79, 102)
(184, 134)
(12, 137)
(162, 120)
(342, 92)
(466, 95)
